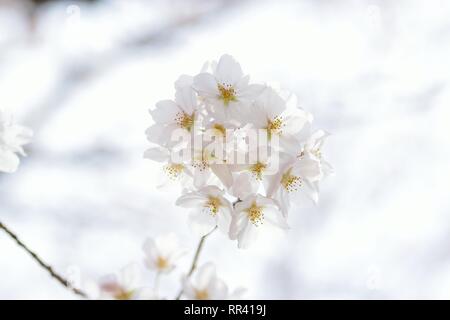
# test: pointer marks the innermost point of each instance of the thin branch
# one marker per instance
(195, 260)
(44, 265)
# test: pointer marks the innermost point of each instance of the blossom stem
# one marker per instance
(196, 256)
(156, 283)
(43, 264)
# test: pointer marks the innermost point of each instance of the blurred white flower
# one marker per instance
(227, 90)
(162, 253)
(12, 139)
(205, 285)
(210, 209)
(124, 285)
(253, 214)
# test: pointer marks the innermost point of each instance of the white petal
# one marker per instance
(165, 112)
(205, 275)
(186, 99)
(191, 200)
(160, 133)
(308, 168)
(228, 70)
(295, 120)
(274, 216)
(201, 177)
(251, 91)
(272, 183)
(244, 185)
(206, 85)
(211, 191)
(201, 222)
(247, 236)
(272, 102)
(224, 219)
(129, 277)
(289, 144)
(218, 290)
(184, 81)
(238, 222)
(223, 172)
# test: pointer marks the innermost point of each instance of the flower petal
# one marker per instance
(228, 70)
(206, 85)
(165, 112)
(201, 222)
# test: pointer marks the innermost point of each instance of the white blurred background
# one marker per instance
(82, 75)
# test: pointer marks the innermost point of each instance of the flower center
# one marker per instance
(124, 295)
(255, 214)
(227, 93)
(174, 170)
(257, 170)
(220, 129)
(162, 263)
(213, 204)
(274, 126)
(291, 182)
(201, 294)
(317, 153)
(185, 120)
(203, 159)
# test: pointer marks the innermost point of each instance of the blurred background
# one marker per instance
(83, 74)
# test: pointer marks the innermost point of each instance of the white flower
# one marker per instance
(271, 114)
(123, 285)
(173, 171)
(205, 285)
(210, 209)
(12, 139)
(296, 181)
(253, 214)
(162, 253)
(314, 146)
(227, 90)
(171, 115)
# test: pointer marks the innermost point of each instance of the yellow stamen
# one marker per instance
(291, 182)
(213, 204)
(227, 93)
(255, 214)
(185, 120)
(317, 153)
(174, 170)
(257, 170)
(162, 263)
(274, 126)
(220, 129)
(124, 295)
(201, 294)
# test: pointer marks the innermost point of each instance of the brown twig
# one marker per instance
(44, 265)
(195, 260)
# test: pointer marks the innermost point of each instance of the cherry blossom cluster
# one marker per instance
(243, 153)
